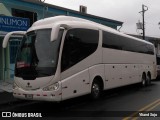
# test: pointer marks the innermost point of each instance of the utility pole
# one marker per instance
(144, 9)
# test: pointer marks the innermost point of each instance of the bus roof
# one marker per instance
(77, 22)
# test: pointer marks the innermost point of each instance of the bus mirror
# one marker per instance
(7, 37)
(55, 30)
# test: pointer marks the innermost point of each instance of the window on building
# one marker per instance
(13, 45)
(25, 14)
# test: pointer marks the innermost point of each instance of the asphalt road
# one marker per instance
(130, 102)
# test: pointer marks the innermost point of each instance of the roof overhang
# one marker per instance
(117, 23)
(4, 11)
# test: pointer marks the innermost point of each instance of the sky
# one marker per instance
(126, 11)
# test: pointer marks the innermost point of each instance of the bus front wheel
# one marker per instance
(95, 90)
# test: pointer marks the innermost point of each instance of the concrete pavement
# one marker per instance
(6, 86)
(6, 92)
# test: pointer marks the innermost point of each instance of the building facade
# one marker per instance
(20, 15)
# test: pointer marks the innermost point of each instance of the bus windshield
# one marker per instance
(37, 55)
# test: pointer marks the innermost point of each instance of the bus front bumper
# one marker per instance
(38, 95)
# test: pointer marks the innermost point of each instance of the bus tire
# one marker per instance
(96, 90)
(148, 79)
(143, 81)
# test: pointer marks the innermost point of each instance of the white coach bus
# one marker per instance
(64, 57)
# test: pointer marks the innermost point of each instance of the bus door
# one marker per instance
(78, 46)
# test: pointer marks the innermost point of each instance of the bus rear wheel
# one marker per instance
(148, 80)
(143, 81)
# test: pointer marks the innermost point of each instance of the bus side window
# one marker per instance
(70, 52)
(78, 44)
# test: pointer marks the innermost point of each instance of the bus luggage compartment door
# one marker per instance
(75, 85)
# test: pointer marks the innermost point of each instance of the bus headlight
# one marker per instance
(51, 87)
(15, 86)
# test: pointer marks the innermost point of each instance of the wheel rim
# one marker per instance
(148, 80)
(95, 90)
(143, 82)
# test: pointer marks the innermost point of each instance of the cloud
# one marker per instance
(126, 11)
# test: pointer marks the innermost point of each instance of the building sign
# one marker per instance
(9, 24)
